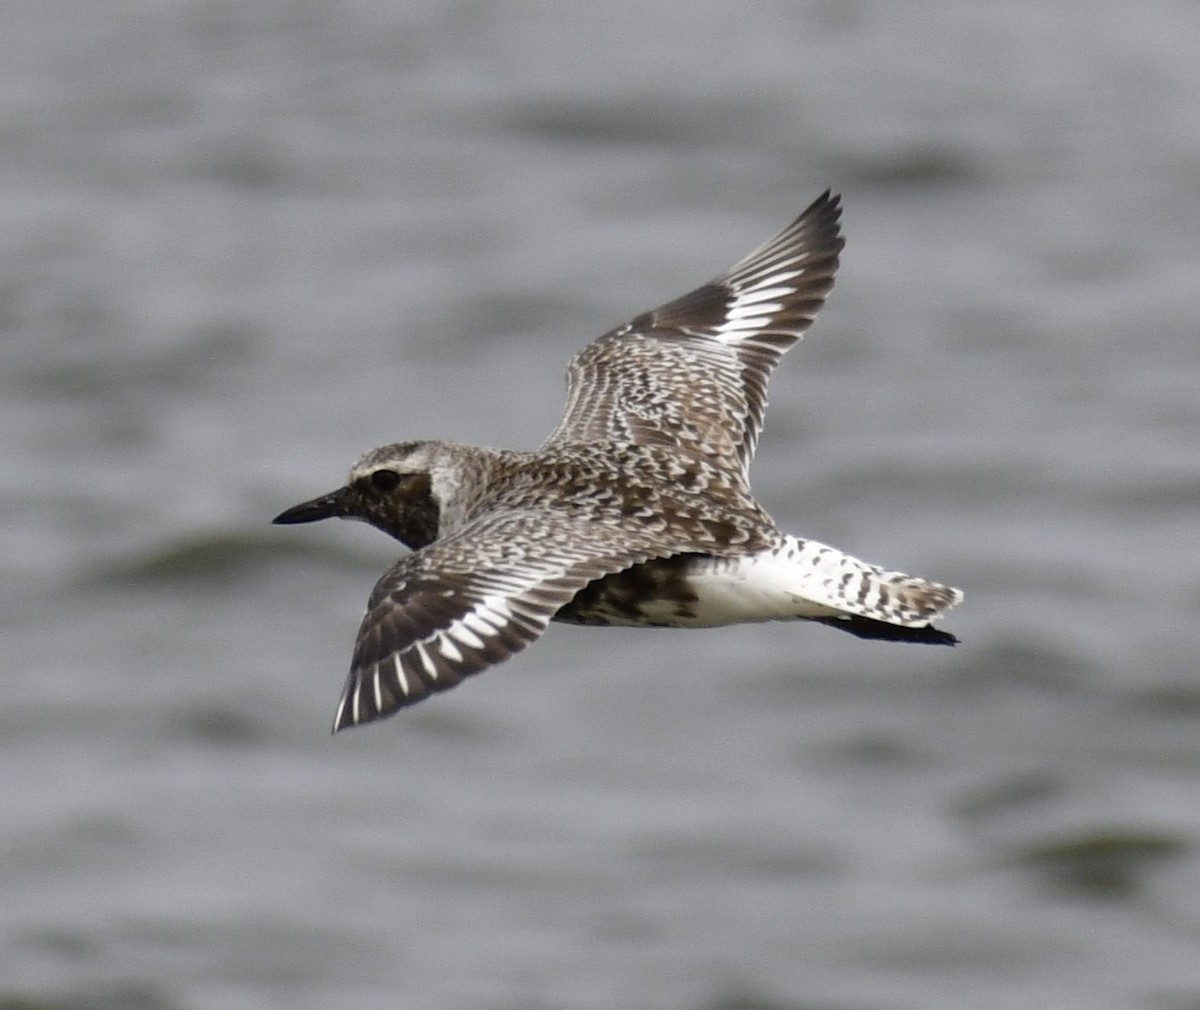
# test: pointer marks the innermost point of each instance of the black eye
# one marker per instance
(385, 480)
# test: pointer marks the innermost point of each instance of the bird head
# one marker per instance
(392, 488)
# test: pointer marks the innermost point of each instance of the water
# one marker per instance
(243, 242)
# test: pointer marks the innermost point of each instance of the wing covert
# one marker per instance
(470, 601)
(693, 372)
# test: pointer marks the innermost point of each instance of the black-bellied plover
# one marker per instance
(636, 511)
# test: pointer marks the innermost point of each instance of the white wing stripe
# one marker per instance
(735, 326)
(473, 620)
(762, 279)
(744, 310)
(465, 635)
(748, 296)
(400, 677)
(449, 650)
(426, 662)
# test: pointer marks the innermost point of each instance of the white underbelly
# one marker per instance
(719, 591)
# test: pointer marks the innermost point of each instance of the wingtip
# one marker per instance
(828, 202)
(827, 208)
(339, 720)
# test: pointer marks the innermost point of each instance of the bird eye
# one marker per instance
(385, 480)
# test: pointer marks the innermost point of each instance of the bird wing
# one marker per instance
(693, 373)
(473, 599)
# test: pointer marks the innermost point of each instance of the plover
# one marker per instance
(636, 511)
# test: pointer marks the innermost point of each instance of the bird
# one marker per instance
(636, 511)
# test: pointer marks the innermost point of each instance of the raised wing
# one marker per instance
(470, 601)
(693, 373)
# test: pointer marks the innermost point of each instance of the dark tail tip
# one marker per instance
(865, 627)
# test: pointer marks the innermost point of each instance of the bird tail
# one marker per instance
(856, 589)
(880, 631)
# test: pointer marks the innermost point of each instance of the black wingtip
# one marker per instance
(828, 203)
(827, 208)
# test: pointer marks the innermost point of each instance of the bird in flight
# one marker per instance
(636, 511)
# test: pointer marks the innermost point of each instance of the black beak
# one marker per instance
(341, 503)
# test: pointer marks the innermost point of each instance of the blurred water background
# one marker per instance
(242, 242)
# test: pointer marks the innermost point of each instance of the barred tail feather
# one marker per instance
(830, 578)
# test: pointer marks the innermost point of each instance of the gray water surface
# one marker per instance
(242, 243)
